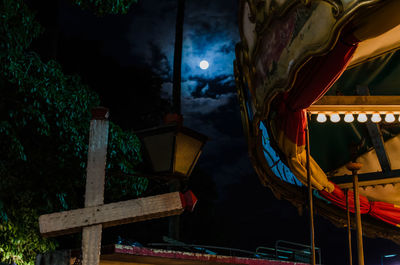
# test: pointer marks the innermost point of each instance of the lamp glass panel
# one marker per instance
(187, 148)
(160, 150)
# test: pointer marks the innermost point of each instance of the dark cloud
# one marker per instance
(159, 61)
(223, 84)
(153, 27)
(226, 48)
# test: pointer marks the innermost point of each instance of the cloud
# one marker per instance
(159, 61)
(223, 84)
(153, 27)
(204, 105)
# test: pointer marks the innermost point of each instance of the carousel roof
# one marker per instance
(292, 54)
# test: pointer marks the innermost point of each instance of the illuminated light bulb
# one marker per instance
(335, 117)
(321, 117)
(376, 118)
(348, 117)
(362, 117)
(389, 117)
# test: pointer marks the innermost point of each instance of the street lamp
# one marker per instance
(172, 150)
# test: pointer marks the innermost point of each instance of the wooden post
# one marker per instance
(310, 196)
(95, 174)
(354, 167)
(174, 221)
(349, 227)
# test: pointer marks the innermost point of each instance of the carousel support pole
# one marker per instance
(349, 227)
(354, 167)
(310, 196)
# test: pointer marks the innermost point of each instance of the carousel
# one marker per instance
(319, 89)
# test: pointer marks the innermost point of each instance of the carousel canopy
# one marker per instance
(293, 54)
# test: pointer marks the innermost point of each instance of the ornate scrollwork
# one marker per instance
(337, 7)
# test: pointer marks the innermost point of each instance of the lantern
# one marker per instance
(172, 150)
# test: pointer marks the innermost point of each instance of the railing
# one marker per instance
(284, 250)
(290, 251)
(206, 249)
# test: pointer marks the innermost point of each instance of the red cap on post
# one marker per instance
(173, 118)
(100, 113)
(189, 200)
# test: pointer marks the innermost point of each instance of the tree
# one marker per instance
(103, 7)
(44, 130)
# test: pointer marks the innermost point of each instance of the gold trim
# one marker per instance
(337, 7)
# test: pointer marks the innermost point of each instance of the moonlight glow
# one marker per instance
(204, 64)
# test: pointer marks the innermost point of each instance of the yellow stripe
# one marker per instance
(296, 160)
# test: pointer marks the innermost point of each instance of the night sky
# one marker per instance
(119, 55)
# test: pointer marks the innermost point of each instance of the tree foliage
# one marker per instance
(44, 129)
(103, 7)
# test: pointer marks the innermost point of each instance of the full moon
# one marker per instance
(204, 64)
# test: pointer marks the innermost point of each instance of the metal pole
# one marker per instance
(358, 219)
(178, 57)
(310, 196)
(349, 227)
(174, 221)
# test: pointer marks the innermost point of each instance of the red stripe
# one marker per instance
(384, 211)
(338, 197)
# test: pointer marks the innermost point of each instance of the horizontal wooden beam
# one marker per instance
(112, 214)
(367, 104)
(368, 179)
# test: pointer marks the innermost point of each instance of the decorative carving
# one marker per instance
(337, 7)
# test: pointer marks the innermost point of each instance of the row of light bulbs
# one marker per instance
(361, 117)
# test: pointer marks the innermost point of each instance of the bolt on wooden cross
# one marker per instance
(97, 215)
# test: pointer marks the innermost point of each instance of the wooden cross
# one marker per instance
(97, 215)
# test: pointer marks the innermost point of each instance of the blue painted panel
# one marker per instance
(274, 161)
